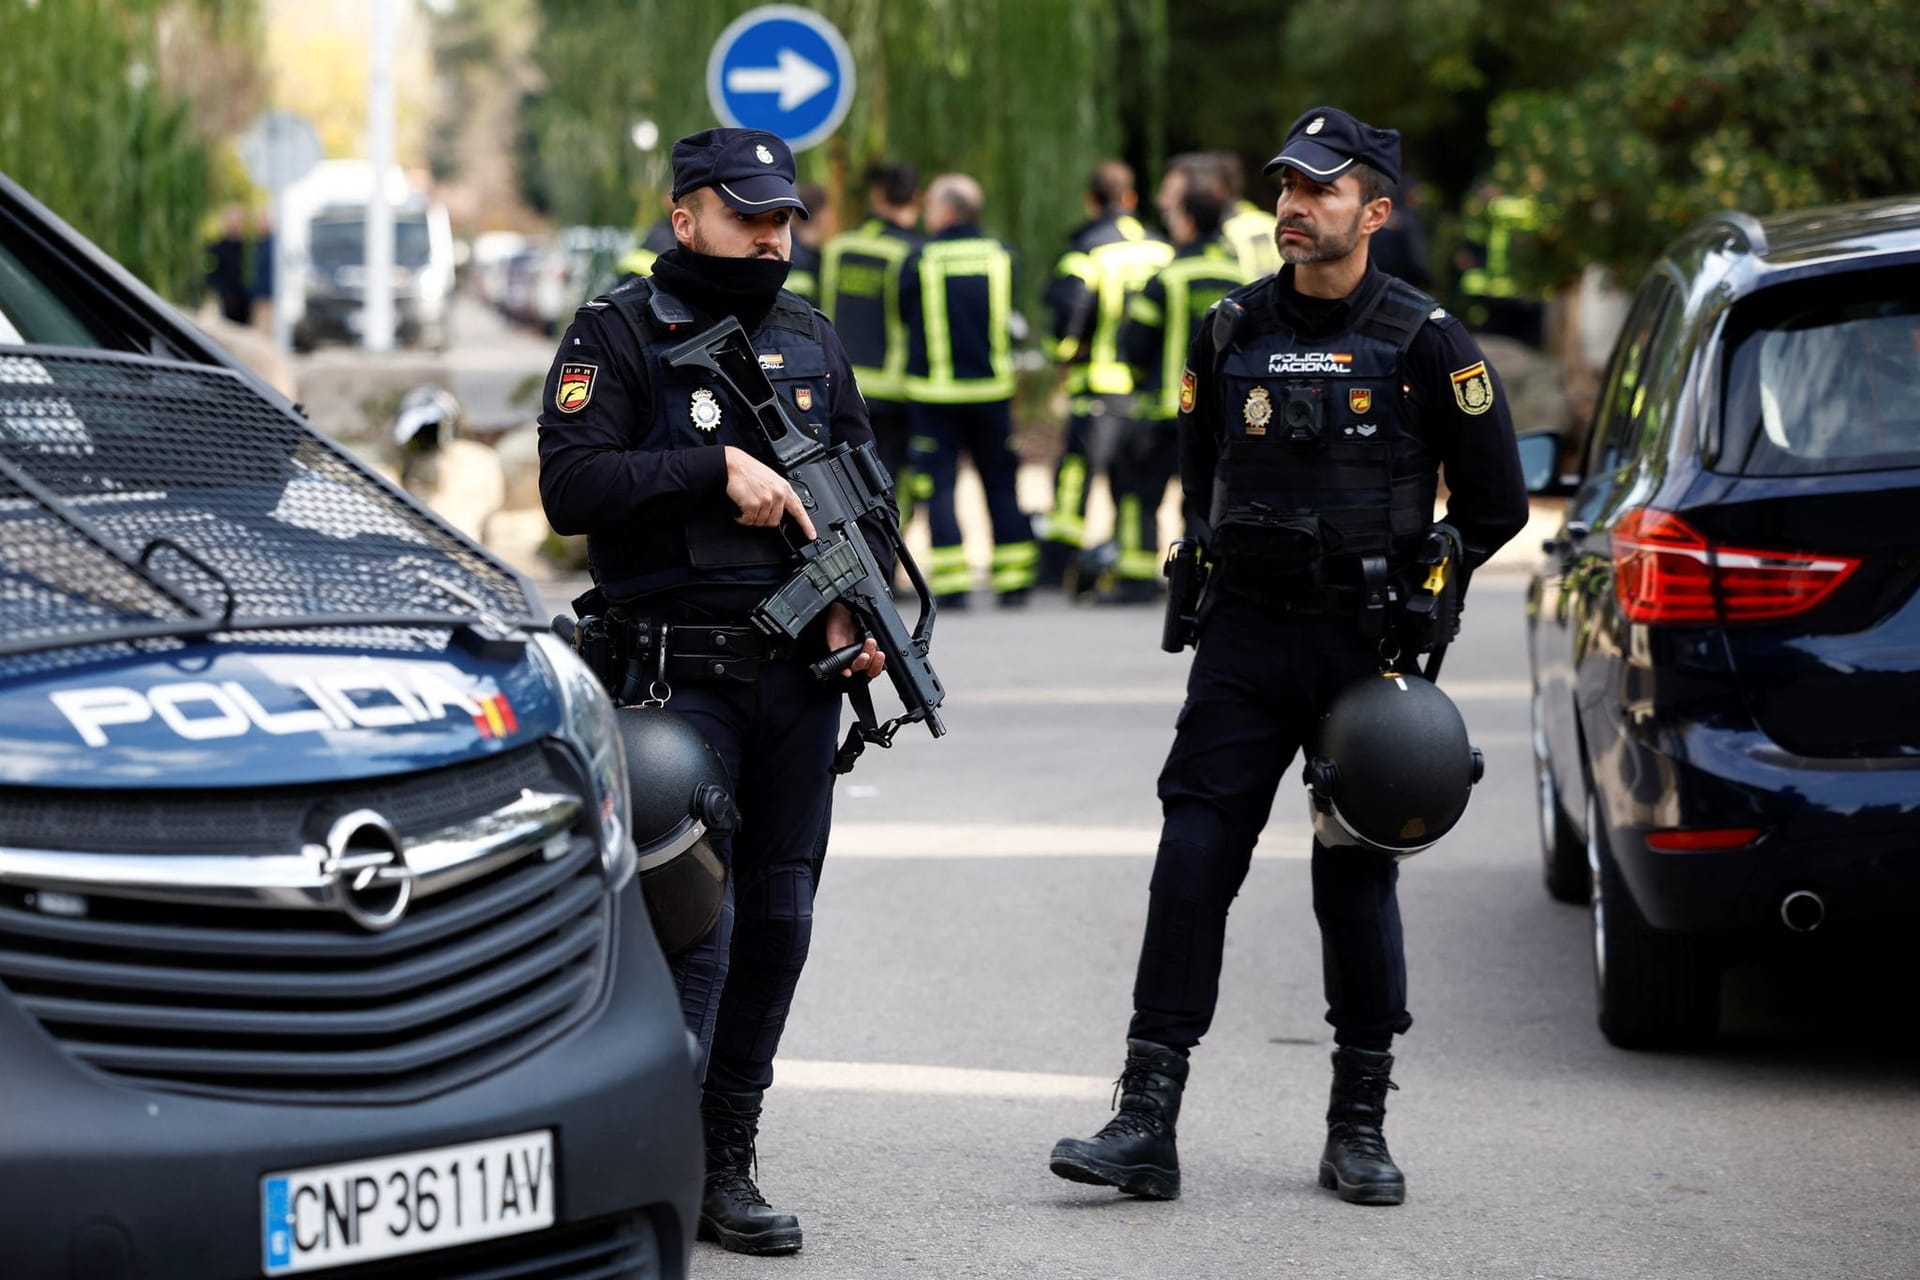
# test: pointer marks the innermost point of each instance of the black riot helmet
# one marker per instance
(1391, 767)
(680, 799)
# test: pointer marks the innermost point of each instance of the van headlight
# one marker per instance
(588, 722)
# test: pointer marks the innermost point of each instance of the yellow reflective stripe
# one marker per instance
(947, 570)
(637, 262)
(1250, 232)
(870, 240)
(1125, 267)
(1081, 265)
(1144, 310)
(1016, 566)
(940, 261)
(1127, 523)
(1178, 280)
(1066, 523)
(1137, 564)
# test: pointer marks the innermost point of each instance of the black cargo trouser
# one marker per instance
(1260, 681)
(777, 738)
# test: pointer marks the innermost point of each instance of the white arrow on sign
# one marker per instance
(795, 79)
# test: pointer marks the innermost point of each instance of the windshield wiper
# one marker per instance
(135, 565)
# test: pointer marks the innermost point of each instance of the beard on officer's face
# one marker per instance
(1321, 246)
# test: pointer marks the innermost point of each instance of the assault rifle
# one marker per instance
(838, 485)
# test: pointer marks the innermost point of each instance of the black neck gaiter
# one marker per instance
(742, 287)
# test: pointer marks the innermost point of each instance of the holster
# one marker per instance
(1186, 574)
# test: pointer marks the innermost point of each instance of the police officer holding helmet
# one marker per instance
(670, 481)
(1316, 407)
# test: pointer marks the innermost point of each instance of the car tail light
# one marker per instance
(1701, 840)
(1665, 571)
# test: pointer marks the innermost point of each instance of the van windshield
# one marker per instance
(342, 241)
(1824, 377)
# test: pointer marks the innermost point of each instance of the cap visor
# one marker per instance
(761, 193)
(1321, 163)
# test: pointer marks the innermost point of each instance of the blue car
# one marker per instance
(321, 947)
(1725, 631)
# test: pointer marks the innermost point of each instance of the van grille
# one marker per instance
(306, 1005)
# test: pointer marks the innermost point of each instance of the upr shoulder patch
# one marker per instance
(1187, 391)
(1473, 388)
(576, 387)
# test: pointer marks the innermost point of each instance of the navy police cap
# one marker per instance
(1326, 142)
(750, 168)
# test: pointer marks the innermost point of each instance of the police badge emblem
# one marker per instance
(1359, 399)
(763, 155)
(1473, 388)
(1319, 123)
(1258, 411)
(705, 410)
(803, 396)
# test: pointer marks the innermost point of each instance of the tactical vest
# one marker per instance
(860, 292)
(1319, 464)
(1190, 285)
(965, 353)
(702, 543)
(1249, 229)
(1113, 271)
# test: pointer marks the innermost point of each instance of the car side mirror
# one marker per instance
(1540, 464)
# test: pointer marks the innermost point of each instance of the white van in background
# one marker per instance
(327, 228)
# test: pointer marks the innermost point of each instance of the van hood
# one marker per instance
(239, 715)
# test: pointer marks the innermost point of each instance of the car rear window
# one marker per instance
(1823, 377)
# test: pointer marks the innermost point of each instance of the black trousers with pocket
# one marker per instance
(777, 738)
(1260, 681)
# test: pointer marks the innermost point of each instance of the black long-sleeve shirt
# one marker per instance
(597, 479)
(1487, 496)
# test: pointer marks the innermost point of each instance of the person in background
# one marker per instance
(1108, 259)
(808, 237)
(860, 293)
(956, 297)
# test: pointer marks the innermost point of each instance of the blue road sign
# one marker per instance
(783, 69)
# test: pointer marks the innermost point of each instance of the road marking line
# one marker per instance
(949, 1082)
(910, 840)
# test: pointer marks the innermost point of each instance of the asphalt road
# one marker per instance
(967, 997)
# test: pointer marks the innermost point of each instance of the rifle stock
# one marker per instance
(837, 485)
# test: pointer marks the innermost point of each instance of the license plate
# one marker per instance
(332, 1215)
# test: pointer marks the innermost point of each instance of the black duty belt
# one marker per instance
(656, 650)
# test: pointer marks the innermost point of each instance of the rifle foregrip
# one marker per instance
(836, 662)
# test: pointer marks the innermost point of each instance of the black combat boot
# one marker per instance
(1135, 1151)
(733, 1213)
(1356, 1163)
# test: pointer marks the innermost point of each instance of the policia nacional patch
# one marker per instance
(1473, 388)
(1186, 391)
(576, 387)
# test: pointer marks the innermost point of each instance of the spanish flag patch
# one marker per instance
(1186, 391)
(576, 387)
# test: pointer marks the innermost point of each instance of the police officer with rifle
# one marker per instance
(702, 427)
(1316, 407)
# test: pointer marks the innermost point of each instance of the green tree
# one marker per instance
(91, 125)
(1025, 94)
(1759, 105)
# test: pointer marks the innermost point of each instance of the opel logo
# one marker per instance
(367, 871)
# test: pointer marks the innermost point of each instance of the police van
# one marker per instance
(321, 947)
